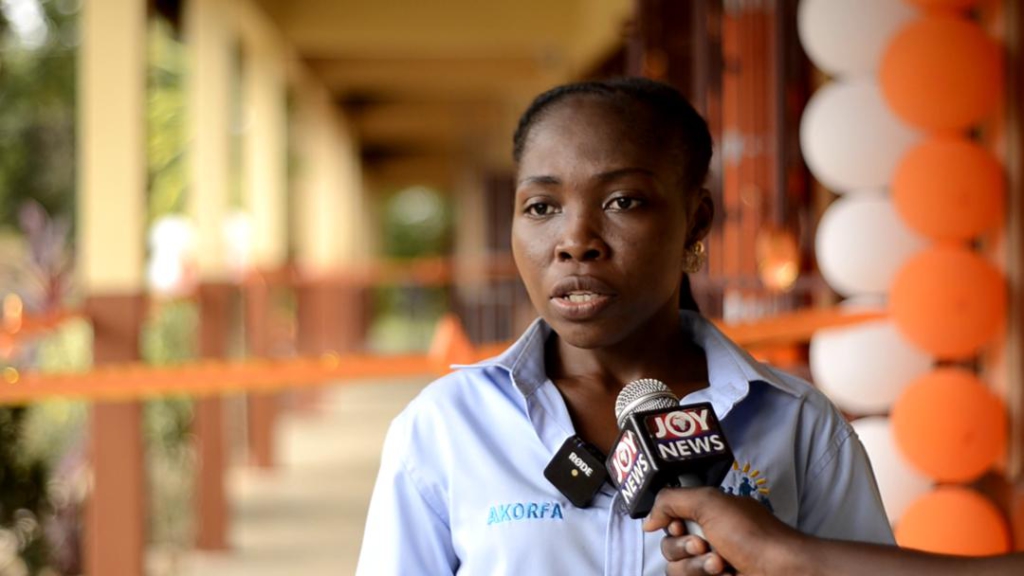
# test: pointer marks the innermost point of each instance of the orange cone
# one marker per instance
(450, 345)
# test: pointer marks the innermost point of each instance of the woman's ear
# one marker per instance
(702, 215)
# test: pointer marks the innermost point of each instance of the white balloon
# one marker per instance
(861, 243)
(864, 368)
(898, 482)
(847, 37)
(173, 234)
(876, 191)
(850, 138)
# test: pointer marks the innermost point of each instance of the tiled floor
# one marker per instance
(306, 516)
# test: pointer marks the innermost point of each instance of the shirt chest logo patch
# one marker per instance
(747, 481)
(524, 511)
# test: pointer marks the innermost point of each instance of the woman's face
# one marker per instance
(601, 225)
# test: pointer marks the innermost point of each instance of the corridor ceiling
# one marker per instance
(427, 82)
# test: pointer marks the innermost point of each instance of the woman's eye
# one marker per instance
(539, 209)
(622, 203)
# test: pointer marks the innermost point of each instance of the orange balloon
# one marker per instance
(942, 72)
(949, 425)
(949, 189)
(948, 301)
(953, 520)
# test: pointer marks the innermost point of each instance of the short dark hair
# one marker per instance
(672, 120)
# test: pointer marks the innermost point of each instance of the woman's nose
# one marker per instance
(581, 242)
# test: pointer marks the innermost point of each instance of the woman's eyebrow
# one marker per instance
(546, 180)
(543, 180)
(621, 172)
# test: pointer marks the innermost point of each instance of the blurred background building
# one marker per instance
(236, 236)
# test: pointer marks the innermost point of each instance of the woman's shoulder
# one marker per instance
(461, 393)
(492, 384)
(816, 410)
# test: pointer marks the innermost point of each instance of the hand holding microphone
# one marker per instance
(741, 530)
(755, 542)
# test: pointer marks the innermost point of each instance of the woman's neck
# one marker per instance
(660, 350)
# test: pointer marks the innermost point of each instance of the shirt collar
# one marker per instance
(730, 368)
(524, 360)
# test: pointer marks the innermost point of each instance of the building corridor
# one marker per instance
(306, 516)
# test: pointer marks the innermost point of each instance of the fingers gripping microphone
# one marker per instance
(662, 443)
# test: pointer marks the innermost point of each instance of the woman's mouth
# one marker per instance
(580, 305)
(580, 296)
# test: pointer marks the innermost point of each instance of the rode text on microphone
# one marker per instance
(658, 447)
(577, 471)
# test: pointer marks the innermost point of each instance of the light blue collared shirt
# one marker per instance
(461, 488)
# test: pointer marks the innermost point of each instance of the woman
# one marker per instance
(610, 213)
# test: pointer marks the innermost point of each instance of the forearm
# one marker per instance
(834, 558)
(754, 542)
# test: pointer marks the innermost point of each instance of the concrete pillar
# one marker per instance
(318, 206)
(264, 188)
(111, 241)
(209, 44)
(334, 228)
(265, 150)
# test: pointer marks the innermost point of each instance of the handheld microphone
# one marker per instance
(661, 444)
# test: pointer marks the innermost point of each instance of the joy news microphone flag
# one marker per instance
(662, 443)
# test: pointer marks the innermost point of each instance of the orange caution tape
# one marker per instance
(207, 377)
(794, 327)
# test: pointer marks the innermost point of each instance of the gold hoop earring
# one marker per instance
(695, 257)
